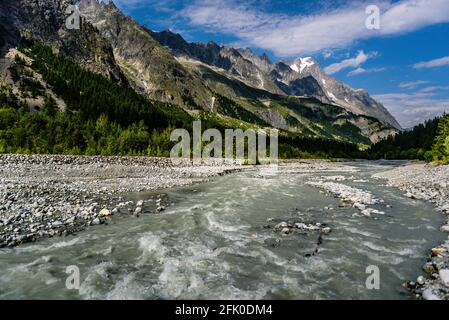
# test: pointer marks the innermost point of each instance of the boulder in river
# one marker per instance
(429, 294)
(444, 276)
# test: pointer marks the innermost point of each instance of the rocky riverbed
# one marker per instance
(429, 183)
(46, 196)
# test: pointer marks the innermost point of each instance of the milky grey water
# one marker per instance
(213, 243)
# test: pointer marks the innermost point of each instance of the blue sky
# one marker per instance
(404, 64)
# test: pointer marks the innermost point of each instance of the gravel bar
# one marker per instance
(51, 195)
(430, 183)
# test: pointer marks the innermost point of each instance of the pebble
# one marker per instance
(444, 276)
(437, 251)
(429, 268)
(105, 213)
(429, 294)
(421, 280)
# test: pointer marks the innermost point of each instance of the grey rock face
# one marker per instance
(238, 63)
(149, 67)
(44, 20)
(302, 77)
(331, 90)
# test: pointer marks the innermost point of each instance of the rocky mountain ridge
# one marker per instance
(234, 83)
(301, 77)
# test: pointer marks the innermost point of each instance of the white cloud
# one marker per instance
(412, 84)
(433, 63)
(327, 54)
(411, 109)
(294, 34)
(434, 89)
(349, 63)
(361, 70)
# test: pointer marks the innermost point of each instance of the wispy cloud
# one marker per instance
(355, 62)
(361, 70)
(433, 63)
(434, 89)
(412, 84)
(290, 34)
(411, 109)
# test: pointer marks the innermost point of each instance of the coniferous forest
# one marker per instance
(428, 141)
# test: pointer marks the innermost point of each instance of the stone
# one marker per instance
(105, 213)
(445, 228)
(367, 212)
(285, 231)
(139, 203)
(437, 251)
(421, 280)
(96, 221)
(444, 276)
(327, 230)
(281, 225)
(429, 294)
(138, 210)
(429, 268)
(300, 226)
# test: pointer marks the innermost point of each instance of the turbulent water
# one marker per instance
(213, 242)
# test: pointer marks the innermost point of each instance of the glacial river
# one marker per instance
(216, 241)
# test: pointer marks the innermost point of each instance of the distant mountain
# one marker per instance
(236, 85)
(302, 77)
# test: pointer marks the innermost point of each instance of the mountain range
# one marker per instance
(235, 84)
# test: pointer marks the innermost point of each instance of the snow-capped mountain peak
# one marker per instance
(301, 64)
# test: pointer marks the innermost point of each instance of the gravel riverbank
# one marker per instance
(429, 183)
(46, 196)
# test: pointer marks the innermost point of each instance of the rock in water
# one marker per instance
(428, 294)
(437, 251)
(444, 276)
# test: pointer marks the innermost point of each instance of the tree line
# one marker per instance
(428, 141)
(103, 117)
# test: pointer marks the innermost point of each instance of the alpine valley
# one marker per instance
(92, 205)
(233, 86)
